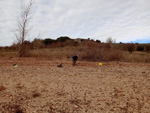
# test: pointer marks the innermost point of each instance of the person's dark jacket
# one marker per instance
(75, 57)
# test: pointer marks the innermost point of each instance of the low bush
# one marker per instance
(148, 48)
(140, 48)
(130, 47)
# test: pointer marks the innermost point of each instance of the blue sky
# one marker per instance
(123, 20)
(142, 41)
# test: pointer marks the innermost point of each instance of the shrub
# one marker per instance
(140, 48)
(148, 48)
(48, 41)
(130, 47)
(38, 43)
(98, 41)
(63, 38)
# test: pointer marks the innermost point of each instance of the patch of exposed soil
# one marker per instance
(40, 86)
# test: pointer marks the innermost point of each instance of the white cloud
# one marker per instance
(123, 20)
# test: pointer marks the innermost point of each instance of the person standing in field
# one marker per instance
(74, 59)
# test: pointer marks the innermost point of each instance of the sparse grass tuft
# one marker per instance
(2, 88)
(36, 94)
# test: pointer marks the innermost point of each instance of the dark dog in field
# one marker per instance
(60, 65)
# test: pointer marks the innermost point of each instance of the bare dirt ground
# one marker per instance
(39, 86)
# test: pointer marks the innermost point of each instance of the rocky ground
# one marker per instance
(39, 86)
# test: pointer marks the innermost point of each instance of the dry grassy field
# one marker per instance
(39, 86)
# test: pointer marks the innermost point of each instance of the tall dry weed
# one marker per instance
(137, 57)
(101, 52)
(89, 52)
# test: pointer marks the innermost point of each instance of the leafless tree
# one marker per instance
(23, 29)
(110, 40)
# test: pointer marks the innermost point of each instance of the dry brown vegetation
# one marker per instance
(38, 85)
(2, 88)
(87, 51)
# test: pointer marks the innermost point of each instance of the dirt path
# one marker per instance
(39, 86)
